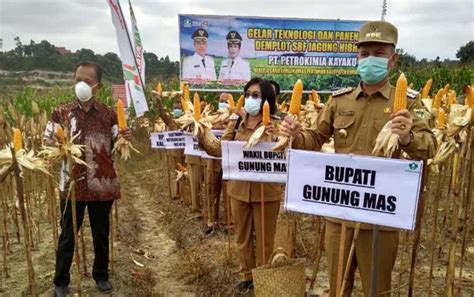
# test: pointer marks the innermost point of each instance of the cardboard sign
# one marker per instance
(258, 164)
(168, 140)
(364, 189)
(194, 149)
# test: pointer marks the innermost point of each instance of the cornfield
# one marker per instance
(435, 260)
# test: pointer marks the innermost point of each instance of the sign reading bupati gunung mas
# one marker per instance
(224, 52)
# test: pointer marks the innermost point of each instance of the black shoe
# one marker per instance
(60, 291)
(244, 287)
(104, 286)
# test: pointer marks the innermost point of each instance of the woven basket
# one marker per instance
(282, 276)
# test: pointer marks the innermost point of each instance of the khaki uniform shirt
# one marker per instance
(355, 119)
(244, 190)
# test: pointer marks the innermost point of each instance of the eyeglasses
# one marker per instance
(253, 95)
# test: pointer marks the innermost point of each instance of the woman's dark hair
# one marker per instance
(277, 87)
(267, 92)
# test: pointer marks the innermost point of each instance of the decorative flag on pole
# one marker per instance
(137, 43)
(133, 79)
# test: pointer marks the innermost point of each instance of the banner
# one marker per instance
(223, 52)
(168, 140)
(133, 81)
(364, 189)
(194, 149)
(258, 164)
(137, 44)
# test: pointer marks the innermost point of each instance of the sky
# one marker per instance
(427, 28)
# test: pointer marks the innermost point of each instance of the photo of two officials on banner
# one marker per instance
(200, 66)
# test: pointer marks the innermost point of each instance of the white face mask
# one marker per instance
(83, 91)
(252, 106)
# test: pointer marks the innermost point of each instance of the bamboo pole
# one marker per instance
(27, 242)
(74, 220)
(229, 219)
(467, 209)
(404, 245)
(418, 227)
(349, 258)
(449, 287)
(439, 188)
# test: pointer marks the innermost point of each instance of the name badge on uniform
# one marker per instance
(346, 113)
(197, 66)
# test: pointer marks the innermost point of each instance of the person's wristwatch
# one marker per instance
(412, 136)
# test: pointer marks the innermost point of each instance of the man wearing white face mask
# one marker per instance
(96, 185)
(354, 117)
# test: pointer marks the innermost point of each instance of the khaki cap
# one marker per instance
(378, 31)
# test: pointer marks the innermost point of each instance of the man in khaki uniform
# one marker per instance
(354, 117)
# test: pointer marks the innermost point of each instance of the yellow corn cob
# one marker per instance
(230, 101)
(17, 140)
(451, 98)
(197, 107)
(266, 114)
(410, 86)
(445, 89)
(184, 104)
(282, 106)
(400, 100)
(296, 96)
(315, 96)
(186, 92)
(158, 88)
(438, 99)
(122, 121)
(470, 97)
(441, 119)
(240, 102)
(425, 93)
(60, 135)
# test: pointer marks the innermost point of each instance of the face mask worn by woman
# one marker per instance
(252, 106)
(177, 112)
(373, 70)
(83, 91)
(223, 105)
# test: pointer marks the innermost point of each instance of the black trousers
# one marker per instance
(100, 226)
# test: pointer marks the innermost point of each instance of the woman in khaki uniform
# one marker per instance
(244, 195)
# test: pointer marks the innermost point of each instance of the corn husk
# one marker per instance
(25, 159)
(124, 148)
(57, 153)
